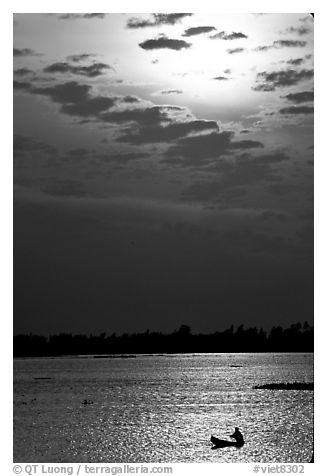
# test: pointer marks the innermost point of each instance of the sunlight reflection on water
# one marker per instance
(161, 408)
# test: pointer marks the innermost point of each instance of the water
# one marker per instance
(161, 408)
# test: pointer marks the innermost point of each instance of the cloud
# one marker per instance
(281, 188)
(221, 78)
(24, 52)
(75, 99)
(147, 123)
(171, 91)
(91, 71)
(131, 99)
(147, 116)
(203, 149)
(77, 154)
(281, 44)
(90, 107)
(289, 43)
(21, 85)
(245, 144)
(65, 188)
(80, 57)
(124, 158)
(78, 16)
(24, 145)
(235, 50)
(157, 19)
(297, 110)
(303, 96)
(222, 35)
(198, 30)
(166, 132)
(271, 81)
(301, 30)
(66, 93)
(22, 71)
(164, 42)
(234, 176)
(295, 62)
(272, 215)
(264, 48)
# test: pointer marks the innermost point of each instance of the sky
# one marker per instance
(163, 171)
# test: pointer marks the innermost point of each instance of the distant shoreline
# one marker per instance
(165, 354)
(296, 338)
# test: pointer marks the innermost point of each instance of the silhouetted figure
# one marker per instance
(237, 435)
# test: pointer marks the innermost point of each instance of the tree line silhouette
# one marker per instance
(296, 338)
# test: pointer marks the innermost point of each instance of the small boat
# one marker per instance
(237, 435)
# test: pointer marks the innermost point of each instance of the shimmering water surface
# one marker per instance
(161, 408)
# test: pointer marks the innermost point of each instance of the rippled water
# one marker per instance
(162, 408)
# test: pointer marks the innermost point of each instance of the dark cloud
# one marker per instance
(198, 30)
(270, 81)
(295, 62)
(90, 107)
(123, 158)
(235, 50)
(21, 85)
(77, 154)
(303, 96)
(222, 35)
(281, 188)
(78, 16)
(171, 91)
(289, 43)
(297, 110)
(281, 44)
(148, 116)
(131, 99)
(272, 215)
(64, 188)
(66, 93)
(24, 52)
(301, 30)
(25, 144)
(164, 42)
(22, 71)
(166, 133)
(234, 176)
(245, 144)
(75, 99)
(202, 149)
(91, 71)
(264, 48)
(157, 19)
(80, 57)
(221, 78)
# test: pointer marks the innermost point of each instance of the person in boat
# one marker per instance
(237, 435)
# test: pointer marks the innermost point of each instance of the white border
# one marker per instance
(320, 185)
